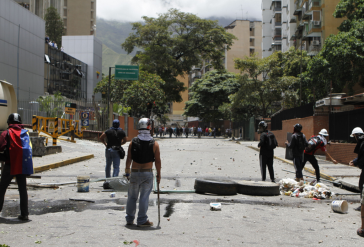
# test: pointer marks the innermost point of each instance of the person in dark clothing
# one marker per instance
(11, 164)
(170, 131)
(266, 144)
(297, 144)
(115, 137)
(310, 155)
(359, 161)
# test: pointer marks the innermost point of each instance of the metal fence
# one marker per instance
(342, 123)
(97, 111)
(297, 112)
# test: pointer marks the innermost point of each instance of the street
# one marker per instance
(186, 219)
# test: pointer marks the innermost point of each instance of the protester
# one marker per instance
(17, 148)
(297, 144)
(199, 131)
(267, 144)
(194, 131)
(214, 131)
(358, 134)
(360, 231)
(160, 131)
(170, 131)
(115, 137)
(143, 151)
(309, 153)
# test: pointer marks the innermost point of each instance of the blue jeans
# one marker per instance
(139, 182)
(112, 156)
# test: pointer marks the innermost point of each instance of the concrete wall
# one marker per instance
(330, 24)
(31, 49)
(88, 49)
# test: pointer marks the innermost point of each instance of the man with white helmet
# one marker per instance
(143, 151)
(359, 161)
(315, 143)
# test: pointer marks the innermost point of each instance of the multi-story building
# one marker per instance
(79, 17)
(288, 24)
(314, 23)
(266, 28)
(276, 25)
(249, 42)
(21, 50)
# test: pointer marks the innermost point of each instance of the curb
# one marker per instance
(62, 163)
(312, 171)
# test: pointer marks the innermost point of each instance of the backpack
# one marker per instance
(300, 144)
(313, 143)
(271, 140)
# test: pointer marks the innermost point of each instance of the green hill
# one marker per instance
(110, 58)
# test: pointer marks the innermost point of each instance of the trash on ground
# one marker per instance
(290, 187)
(120, 184)
(112, 194)
(340, 206)
(215, 206)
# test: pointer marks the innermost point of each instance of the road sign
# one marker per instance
(127, 72)
(85, 115)
(71, 111)
(71, 105)
(50, 126)
(85, 122)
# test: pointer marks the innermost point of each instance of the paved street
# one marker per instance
(243, 221)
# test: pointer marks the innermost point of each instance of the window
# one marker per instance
(65, 3)
(92, 5)
(64, 12)
(252, 52)
(92, 14)
(252, 42)
(65, 22)
(316, 16)
(252, 31)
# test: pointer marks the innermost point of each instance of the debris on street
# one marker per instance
(290, 187)
(215, 206)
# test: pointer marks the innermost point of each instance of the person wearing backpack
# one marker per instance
(16, 145)
(297, 144)
(267, 144)
(115, 137)
(359, 161)
(315, 143)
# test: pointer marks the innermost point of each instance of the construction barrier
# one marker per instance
(56, 127)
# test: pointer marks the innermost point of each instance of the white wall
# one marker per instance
(31, 49)
(88, 49)
(267, 28)
(288, 28)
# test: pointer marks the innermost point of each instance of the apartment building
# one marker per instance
(288, 27)
(266, 28)
(79, 17)
(314, 23)
(249, 41)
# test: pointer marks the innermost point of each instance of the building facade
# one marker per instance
(79, 16)
(88, 49)
(266, 28)
(22, 31)
(314, 24)
(249, 42)
(288, 27)
(65, 74)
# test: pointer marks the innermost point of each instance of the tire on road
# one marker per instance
(215, 186)
(259, 188)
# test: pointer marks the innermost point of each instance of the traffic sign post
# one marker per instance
(85, 118)
(70, 108)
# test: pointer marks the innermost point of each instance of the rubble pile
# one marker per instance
(290, 187)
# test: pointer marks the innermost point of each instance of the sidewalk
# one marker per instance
(347, 175)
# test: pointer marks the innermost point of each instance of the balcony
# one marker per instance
(314, 3)
(314, 24)
(314, 48)
(293, 19)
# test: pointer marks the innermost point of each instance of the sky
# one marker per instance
(133, 10)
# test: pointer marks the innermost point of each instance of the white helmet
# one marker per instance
(323, 132)
(144, 124)
(357, 131)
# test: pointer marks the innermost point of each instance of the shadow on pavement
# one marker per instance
(12, 221)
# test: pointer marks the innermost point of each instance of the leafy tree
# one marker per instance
(145, 95)
(173, 43)
(53, 105)
(353, 10)
(120, 109)
(117, 88)
(210, 93)
(54, 25)
(256, 95)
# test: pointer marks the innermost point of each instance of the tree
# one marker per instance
(262, 83)
(341, 59)
(145, 95)
(210, 93)
(54, 25)
(173, 43)
(53, 105)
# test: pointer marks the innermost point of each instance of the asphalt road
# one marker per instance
(185, 218)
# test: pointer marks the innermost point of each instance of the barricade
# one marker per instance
(56, 127)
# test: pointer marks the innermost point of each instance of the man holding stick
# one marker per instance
(143, 151)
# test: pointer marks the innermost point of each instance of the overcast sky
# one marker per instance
(133, 10)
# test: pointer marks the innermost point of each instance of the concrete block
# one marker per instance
(53, 149)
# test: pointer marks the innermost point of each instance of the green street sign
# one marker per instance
(71, 105)
(127, 72)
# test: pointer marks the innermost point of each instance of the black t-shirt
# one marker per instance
(114, 137)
